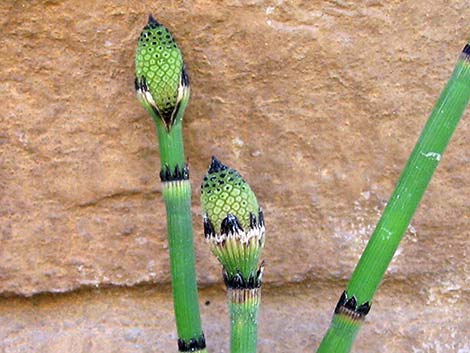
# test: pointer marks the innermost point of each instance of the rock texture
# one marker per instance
(141, 320)
(317, 103)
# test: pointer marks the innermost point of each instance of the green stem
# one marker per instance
(177, 196)
(244, 307)
(340, 336)
(405, 199)
(171, 145)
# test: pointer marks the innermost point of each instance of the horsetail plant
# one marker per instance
(234, 228)
(162, 87)
(355, 302)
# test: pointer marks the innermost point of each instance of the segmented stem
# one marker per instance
(402, 205)
(177, 196)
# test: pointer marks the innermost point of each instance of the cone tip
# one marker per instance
(216, 166)
(153, 21)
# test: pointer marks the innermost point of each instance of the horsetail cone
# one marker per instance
(161, 81)
(233, 224)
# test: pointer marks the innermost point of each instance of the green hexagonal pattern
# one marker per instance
(223, 192)
(159, 60)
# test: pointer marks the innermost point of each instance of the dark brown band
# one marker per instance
(238, 281)
(193, 345)
(177, 174)
(348, 306)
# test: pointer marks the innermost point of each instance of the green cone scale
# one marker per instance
(233, 223)
(161, 79)
(224, 192)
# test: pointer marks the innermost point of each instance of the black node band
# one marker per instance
(348, 306)
(239, 282)
(193, 345)
(176, 175)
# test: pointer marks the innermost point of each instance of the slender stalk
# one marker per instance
(355, 301)
(177, 196)
(340, 336)
(163, 89)
(171, 146)
(244, 307)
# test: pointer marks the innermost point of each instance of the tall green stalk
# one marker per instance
(163, 89)
(234, 227)
(355, 302)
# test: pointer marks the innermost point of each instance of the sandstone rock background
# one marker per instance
(317, 103)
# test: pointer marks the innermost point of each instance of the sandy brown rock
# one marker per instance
(141, 320)
(317, 103)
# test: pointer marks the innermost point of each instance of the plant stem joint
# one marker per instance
(178, 174)
(231, 224)
(193, 345)
(242, 296)
(238, 281)
(348, 307)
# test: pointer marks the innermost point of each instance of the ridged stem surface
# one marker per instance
(340, 336)
(177, 196)
(244, 307)
(171, 145)
(405, 198)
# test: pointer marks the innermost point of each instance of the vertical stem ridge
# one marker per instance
(171, 145)
(244, 307)
(177, 195)
(340, 335)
